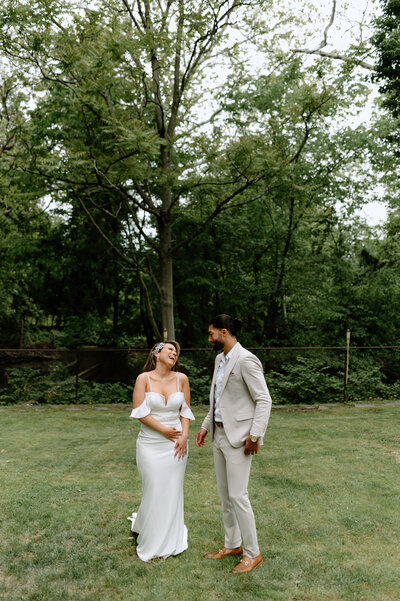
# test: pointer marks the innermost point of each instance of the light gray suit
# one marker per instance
(245, 406)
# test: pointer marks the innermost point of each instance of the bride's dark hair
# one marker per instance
(231, 324)
(151, 359)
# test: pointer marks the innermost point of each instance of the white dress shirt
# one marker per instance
(218, 383)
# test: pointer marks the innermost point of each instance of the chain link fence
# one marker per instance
(303, 374)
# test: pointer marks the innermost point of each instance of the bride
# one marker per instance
(161, 401)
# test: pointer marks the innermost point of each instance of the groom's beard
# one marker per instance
(217, 345)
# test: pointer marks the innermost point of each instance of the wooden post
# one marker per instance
(346, 365)
(76, 381)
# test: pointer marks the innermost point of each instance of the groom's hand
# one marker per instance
(200, 436)
(250, 447)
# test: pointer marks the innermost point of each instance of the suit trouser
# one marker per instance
(232, 468)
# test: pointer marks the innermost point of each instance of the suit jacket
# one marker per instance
(245, 401)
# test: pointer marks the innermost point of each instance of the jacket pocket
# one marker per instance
(243, 416)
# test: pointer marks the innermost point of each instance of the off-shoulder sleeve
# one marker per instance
(186, 411)
(140, 411)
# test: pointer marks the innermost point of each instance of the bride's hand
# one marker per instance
(172, 433)
(181, 447)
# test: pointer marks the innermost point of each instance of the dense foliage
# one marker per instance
(123, 214)
(387, 41)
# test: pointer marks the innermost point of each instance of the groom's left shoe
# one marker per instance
(224, 552)
(247, 564)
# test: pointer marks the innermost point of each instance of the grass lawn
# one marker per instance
(325, 489)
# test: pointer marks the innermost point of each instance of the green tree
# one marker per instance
(118, 88)
(387, 44)
(117, 135)
(21, 219)
(289, 118)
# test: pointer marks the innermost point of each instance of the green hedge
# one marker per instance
(321, 380)
(30, 385)
(301, 380)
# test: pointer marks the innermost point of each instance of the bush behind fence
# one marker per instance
(303, 375)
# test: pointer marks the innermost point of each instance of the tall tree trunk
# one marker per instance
(271, 322)
(275, 305)
(166, 277)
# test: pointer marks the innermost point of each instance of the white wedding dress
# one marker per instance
(159, 521)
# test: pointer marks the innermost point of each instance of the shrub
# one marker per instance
(307, 381)
(302, 380)
(30, 385)
(199, 379)
(321, 380)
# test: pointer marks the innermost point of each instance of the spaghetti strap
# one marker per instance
(177, 380)
(148, 377)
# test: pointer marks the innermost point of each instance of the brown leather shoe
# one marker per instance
(224, 552)
(247, 564)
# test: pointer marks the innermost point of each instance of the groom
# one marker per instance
(240, 406)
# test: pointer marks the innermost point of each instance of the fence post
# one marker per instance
(77, 381)
(346, 365)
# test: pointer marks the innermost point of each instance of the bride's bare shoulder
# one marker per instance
(141, 377)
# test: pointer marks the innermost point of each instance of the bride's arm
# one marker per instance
(139, 393)
(181, 443)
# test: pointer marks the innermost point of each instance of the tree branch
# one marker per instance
(132, 16)
(149, 308)
(153, 277)
(9, 144)
(122, 256)
(209, 120)
(332, 54)
(220, 22)
(223, 205)
(177, 92)
(338, 56)
(149, 205)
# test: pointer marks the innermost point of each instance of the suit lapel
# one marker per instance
(213, 381)
(230, 365)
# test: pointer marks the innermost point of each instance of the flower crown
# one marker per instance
(159, 346)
